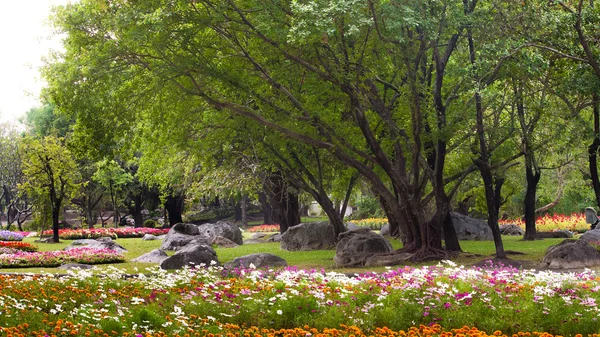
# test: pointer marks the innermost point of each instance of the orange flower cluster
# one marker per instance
(66, 328)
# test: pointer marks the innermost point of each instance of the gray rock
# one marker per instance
(468, 228)
(224, 242)
(354, 248)
(571, 254)
(182, 234)
(149, 237)
(259, 235)
(351, 226)
(191, 255)
(275, 238)
(155, 256)
(221, 228)
(511, 230)
(308, 236)
(89, 243)
(591, 235)
(75, 266)
(259, 260)
(388, 260)
(385, 230)
(554, 235)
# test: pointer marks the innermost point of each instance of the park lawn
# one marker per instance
(474, 251)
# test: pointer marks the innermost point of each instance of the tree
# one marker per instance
(18, 205)
(112, 176)
(50, 171)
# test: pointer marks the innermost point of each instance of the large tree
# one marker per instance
(50, 173)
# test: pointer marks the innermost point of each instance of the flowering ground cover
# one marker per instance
(22, 246)
(373, 223)
(574, 222)
(10, 236)
(264, 228)
(94, 233)
(59, 257)
(444, 300)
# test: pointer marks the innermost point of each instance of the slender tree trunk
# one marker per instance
(244, 209)
(593, 152)
(533, 177)
(483, 163)
(351, 184)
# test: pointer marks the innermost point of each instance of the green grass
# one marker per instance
(474, 251)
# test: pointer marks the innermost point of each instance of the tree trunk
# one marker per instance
(533, 177)
(174, 206)
(284, 202)
(244, 209)
(593, 152)
(55, 215)
(267, 209)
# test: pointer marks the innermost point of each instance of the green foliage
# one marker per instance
(150, 223)
(367, 206)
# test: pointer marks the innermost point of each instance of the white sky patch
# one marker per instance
(25, 38)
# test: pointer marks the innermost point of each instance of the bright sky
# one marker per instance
(25, 37)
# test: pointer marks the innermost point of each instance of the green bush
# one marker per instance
(150, 223)
(367, 207)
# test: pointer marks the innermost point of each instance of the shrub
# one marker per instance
(150, 223)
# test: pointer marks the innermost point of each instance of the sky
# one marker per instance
(25, 38)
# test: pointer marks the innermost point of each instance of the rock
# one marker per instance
(355, 247)
(259, 235)
(351, 226)
(75, 266)
(571, 254)
(221, 228)
(275, 238)
(149, 237)
(191, 255)
(554, 235)
(224, 242)
(97, 244)
(182, 234)
(259, 260)
(591, 235)
(45, 240)
(155, 256)
(512, 230)
(468, 228)
(385, 230)
(32, 234)
(387, 260)
(308, 236)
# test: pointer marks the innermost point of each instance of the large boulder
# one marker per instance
(191, 255)
(259, 260)
(155, 256)
(181, 234)
(308, 236)
(102, 243)
(221, 228)
(591, 235)
(511, 230)
(355, 247)
(571, 254)
(468, 228)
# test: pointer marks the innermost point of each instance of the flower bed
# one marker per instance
(60, 257)
(264, 228)
(22, 246)
(10, 236)
(373, 223)
(76, 234)
(428, 301)
(549, 223)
